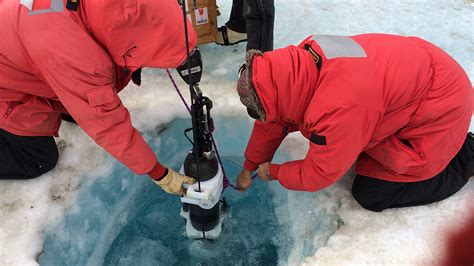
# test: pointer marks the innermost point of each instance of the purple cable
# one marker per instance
(227, 182)
(178, 91)
(226, 179)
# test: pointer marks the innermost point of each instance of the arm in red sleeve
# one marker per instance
(338, 137)
(263, 143)
(82, 75)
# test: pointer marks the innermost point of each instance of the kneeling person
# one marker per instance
(398, 106)
(74, 59)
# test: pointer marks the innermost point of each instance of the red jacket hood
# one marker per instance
(285, 81)
(139, 33)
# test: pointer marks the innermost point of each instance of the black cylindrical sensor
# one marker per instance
(202, 219)
(208, 168)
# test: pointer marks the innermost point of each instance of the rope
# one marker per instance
(178, 91)
(227, 182)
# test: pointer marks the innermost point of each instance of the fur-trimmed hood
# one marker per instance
(246, 90)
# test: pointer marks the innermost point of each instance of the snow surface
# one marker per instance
(409, 235)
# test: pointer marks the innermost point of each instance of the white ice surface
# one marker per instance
(410, 235)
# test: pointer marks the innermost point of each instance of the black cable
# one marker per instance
(186, 135)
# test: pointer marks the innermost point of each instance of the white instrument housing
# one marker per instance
(210, 193)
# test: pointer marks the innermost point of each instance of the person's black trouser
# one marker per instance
(26, 157)
(256, 18)
(377, 195)
(236, 20)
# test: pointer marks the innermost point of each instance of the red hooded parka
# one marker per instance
(55, 60)
(399, 106)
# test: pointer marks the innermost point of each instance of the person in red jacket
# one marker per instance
(73, 57)
(398, 107)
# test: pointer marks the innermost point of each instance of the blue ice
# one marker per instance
(123, 219)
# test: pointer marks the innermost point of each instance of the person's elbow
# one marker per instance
(317, 179)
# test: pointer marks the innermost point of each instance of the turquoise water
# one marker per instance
(123, 219)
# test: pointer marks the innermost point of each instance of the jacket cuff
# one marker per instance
(250, 166)
(274, 168)
(158, 172)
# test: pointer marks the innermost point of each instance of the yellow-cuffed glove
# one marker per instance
(173, 182)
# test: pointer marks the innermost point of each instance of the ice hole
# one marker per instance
(123, 219)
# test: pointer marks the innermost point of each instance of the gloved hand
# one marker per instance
(244, 180)
(173, 182)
